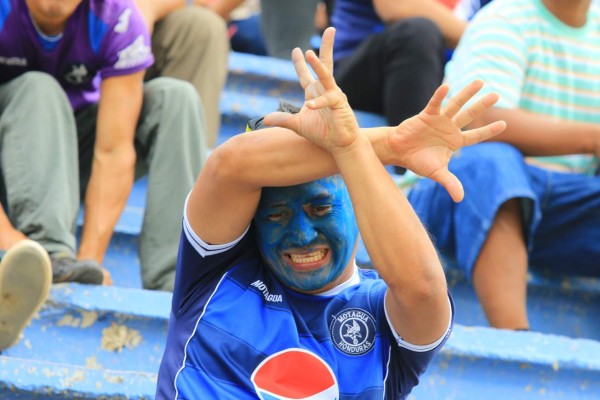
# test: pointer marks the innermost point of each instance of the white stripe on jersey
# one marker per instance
(203, 248)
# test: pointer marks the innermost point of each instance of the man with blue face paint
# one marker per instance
(306, 233)
(268, 300)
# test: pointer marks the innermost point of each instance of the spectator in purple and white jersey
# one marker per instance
(77, 119)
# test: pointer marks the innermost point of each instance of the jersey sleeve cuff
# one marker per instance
(414, 347)
(203, 248)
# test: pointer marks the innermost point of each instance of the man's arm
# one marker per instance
(398, 245)
(451, 26)
(113, 163)
(540, 135)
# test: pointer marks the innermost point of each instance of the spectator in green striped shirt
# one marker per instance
(532, 198)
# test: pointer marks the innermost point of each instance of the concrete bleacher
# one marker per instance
(106, 342)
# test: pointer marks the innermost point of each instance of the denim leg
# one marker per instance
(567, 238)
(491, 174)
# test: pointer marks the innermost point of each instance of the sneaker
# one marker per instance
(25, 280)
(66, 268)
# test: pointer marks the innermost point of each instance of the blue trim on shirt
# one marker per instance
(5, 9)
(48, 45)
(97, 30)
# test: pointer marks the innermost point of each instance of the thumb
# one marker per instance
(451, 183)
(281, 119)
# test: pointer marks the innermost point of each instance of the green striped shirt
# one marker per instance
(534, 62)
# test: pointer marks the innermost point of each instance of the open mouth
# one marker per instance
(308, 260)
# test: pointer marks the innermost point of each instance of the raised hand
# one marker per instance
(425, 143)
(326, 118)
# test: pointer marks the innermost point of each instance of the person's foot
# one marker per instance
(25, 280)
(66, 268)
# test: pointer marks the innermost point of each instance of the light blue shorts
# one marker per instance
(561, 210)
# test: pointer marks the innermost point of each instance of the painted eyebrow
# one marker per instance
(322, 196)
(277, 204)
(318, 197)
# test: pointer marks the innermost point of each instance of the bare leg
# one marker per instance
(9, 236)
(500, 274)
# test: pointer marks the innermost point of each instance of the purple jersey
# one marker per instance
(102, 38)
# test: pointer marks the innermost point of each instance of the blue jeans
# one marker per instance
(561, 211)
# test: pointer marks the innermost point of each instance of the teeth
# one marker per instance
(308, 258)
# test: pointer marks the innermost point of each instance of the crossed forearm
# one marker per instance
(279, 157)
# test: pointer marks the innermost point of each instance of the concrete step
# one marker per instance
(258, 75)
(100, 342)
(89, 342)
(26, 379)
(485, 363)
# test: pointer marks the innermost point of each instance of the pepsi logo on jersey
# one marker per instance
(295, 374)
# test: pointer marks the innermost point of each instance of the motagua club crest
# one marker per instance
(353, 331)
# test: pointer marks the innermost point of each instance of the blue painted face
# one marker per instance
(307, 233)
